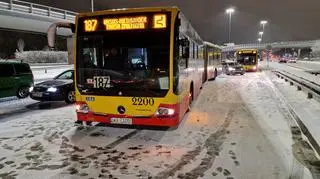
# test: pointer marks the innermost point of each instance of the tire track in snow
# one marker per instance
(213, 147)
(123, 138)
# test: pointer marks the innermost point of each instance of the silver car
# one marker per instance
(234, 68)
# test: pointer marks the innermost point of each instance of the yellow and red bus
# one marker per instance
(249, 58)
(139, 66)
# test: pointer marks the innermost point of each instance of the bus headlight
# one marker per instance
(164, 111)
(82, 108)
(231, 69)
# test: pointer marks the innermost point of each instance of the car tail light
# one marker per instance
(82, 108)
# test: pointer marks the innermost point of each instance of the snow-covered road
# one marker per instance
(238, 128)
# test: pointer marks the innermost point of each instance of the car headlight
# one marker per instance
(52, 89)
(231, 69)
(254, 68)
(31, 89)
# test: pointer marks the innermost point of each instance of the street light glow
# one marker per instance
(259, 39)
(263, 22)
(230, 11)
(261, 33)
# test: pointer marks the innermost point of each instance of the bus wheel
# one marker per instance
(190, 98)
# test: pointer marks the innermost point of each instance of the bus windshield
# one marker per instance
(247, 59)
(135, 63)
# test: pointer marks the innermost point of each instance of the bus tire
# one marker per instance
(191, 97)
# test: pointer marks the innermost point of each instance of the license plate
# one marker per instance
(37, 94)
(127, 121)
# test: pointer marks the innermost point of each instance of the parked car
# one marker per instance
(283, 60)
(60, 88)
(293, 60)
(15, 79)
(234, 68)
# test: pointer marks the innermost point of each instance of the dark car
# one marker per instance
(15, 79)
(283, 60)
(234, 68)
(61, 88)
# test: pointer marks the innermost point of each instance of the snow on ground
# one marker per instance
(306, 65)
(308, 108)
(42, 74)
(299, 72)
(235, 130)
(11, 105)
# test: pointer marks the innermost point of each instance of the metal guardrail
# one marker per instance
(312, 88)
(37, 9)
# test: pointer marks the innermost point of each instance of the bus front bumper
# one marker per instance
(171, 121)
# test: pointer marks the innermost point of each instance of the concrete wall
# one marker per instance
(27, 41)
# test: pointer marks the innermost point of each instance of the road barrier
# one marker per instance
(311, 88)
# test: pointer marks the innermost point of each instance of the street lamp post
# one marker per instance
(263, 23)
(230, 11)
(92, 7)
(261, 34)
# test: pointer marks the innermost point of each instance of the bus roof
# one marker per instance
(128, 10)
(212, 45)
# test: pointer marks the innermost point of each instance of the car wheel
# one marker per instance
(23, 92)
(70, 98)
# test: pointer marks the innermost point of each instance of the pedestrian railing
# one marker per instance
(37, 9)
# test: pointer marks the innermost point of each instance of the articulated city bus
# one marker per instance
(213, 59)
(141, 66)
(249, 58)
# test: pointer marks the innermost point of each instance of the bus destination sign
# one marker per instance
(159, 21)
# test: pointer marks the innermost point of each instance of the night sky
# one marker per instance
(288, 19)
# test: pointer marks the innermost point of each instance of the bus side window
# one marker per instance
(184, 52)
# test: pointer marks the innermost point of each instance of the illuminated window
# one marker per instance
(159, 21)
